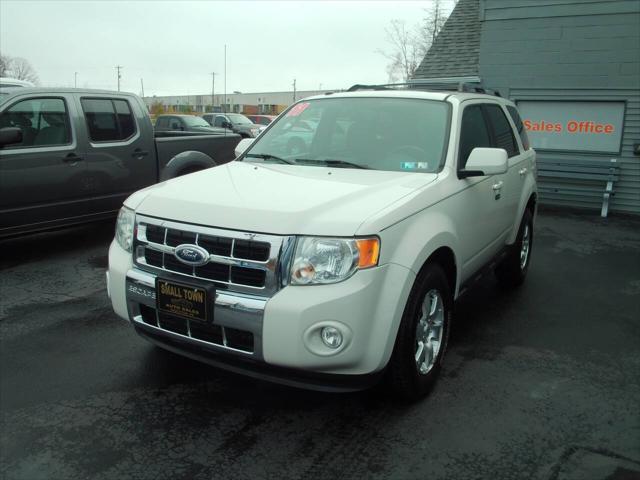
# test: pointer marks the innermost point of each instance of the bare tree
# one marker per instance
(431, 25)
(404, 57)
(22, 70)
(408, 46)
(5, 65)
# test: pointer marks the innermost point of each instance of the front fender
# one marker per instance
(186, 161)
(417, 238)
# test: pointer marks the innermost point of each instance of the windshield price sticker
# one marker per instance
(298, 109)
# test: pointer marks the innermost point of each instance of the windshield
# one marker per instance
(239, 119)
(393, 134)
(196, 122)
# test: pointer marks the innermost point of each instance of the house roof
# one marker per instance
(456, 49)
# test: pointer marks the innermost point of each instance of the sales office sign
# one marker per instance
(574, 126)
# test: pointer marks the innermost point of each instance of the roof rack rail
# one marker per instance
(429, 87)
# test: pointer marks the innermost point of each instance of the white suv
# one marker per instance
(332, 264)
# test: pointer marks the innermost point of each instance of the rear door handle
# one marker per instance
(139, 153)
(523, 171)
(72, 158)
(497, 186)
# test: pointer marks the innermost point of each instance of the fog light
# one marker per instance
(331, 337)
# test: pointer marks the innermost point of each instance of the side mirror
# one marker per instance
(485, 161)
(227, 125)
(10, 136)
(242, 146)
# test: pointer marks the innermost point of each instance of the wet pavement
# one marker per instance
(541, 383)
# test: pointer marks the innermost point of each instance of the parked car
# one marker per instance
(337, 265)
(262, 119)
(237, 122)
(186, 123)
(68, 156)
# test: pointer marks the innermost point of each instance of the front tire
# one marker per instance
(513, 269)
(423, 335)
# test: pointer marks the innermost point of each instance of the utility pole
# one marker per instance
(75, 79)
(213, 90)
(142, 87)
(224, 105)
(294, 90)
(118, 68)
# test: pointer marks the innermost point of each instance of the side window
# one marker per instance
(43, 121)
(175, 123)
(162, 123)
(473, 133)
(108, 120)
(515, 116)
(218, 121)
(502, 132)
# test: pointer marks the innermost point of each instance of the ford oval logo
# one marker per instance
(191, 254)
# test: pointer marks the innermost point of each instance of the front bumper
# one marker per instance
(284, 329)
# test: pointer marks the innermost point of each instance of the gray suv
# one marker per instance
(234, 121)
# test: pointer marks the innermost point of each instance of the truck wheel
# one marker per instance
(422, 336)
(513, 269)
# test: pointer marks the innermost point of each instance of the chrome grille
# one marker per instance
(238, 261)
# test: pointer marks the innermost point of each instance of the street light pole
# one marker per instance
(75, 79)
(224, 105)
(118, 68)
(213, 90)
(294, 90)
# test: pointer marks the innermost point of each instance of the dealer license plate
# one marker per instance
(185, 301)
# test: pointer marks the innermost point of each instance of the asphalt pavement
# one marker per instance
(542, 382)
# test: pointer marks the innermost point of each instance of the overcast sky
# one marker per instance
(174, 46)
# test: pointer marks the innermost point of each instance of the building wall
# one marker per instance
(261, 102)
(569, 50)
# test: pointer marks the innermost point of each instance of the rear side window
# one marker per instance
(108, 120)
(474, 133)
(515, 116)
(43, 121)
(502, 132)
(162, 123)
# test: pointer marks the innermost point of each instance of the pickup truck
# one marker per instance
(69, 156)
(338, 265)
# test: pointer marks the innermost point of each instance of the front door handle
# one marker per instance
(72, 158)
(523, 171)
(497, 186)
(139, 153)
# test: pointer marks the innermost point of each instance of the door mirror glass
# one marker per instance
(485, 161)
(10, 136)
(242, 146)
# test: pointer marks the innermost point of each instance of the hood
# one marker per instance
(247, 126)
(279, 199)
(208, 129)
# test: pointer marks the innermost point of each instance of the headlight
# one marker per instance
(330, 260)
(124, 228)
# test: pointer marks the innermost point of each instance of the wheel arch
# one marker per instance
(186, 161)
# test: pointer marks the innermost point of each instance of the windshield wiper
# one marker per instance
(268, 156)
(333, 163)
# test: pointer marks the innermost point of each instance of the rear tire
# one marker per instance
(513, 269)
(422, 336)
